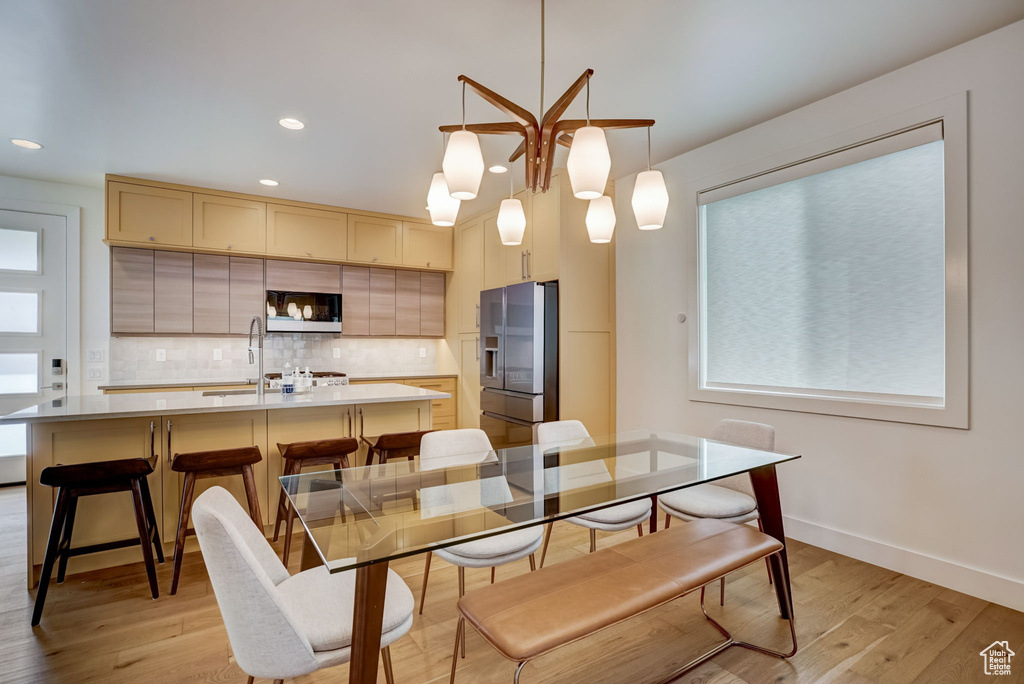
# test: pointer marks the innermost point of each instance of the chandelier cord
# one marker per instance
(542, 57)
(463, 105)
(588, 99)
(511, 168)
(648, 148)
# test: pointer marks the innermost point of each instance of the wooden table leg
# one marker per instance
(766, 491)
(367, 622)
(310, 558)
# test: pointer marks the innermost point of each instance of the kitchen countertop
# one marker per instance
(208, 382)
(105, 406)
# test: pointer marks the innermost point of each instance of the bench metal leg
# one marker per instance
(518, 670)
(547, 540)
(458, 640)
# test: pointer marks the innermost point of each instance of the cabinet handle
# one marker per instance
(522, 265)
(152, 442)
(349, 414)
(152, 239)
(308, 254)
(477, 348)
(374, 258)
(478, 316)
(528, 255)
(169, 451)
(229, 246)
(362, 423)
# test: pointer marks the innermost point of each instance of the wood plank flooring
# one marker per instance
(856, 623)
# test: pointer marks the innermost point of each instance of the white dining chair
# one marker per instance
(281, 625)
(612, 519)
(731, 498)
(451, 448)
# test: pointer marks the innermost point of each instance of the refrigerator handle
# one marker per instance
(478, 349)
(522, 265)
(528, 255)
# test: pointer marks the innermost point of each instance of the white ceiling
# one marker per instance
(190, 91)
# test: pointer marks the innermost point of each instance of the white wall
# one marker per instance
(942, 504)
(94, 289)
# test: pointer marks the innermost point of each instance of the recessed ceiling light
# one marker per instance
(498, 168)
(267, 181)
(27, 144)
(293, 124)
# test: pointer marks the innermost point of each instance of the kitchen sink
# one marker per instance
(226, 393)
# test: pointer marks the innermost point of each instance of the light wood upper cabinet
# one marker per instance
(355, 300)
(246, 294)
(469, 271)
(211, 292)
(374, 240)
(298, 276)
(426, 246)
(517, 265)
(431, 304)
(131, 290)
(382, 301)
(227, 223)
(172, 292)
(494, 253)
(154, 216)
(545, 234)
(301, 232)
(407, 302)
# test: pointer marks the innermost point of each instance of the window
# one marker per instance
(824, 284)
(19, 250)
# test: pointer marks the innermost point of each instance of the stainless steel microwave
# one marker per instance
(303, 312)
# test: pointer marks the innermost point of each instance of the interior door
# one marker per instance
(33, 327)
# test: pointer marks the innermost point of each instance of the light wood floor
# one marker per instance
(856, 623)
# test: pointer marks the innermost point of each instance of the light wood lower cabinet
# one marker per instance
(469, 381)
(302, 425)
(211, 290)
(229, 223)
(172, 292)
(205, 432)
(373, 420)
(149, 215)
(131, 290)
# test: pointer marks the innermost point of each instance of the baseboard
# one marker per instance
(973, 581)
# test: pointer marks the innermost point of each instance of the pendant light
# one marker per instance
(443, 208)
(511, 219)
(650, 196)
(601, 219)
(589, 161)
(463, 164)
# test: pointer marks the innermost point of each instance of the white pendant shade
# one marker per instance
(463, 165)
(601, 219)
(443, 208)
(589, 163)
(511, 222)
(650, 200)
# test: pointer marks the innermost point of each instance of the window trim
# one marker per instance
(954, 412)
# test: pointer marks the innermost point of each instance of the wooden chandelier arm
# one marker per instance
(521, 115)
(562, 103)
(519, 152)
(570, 125)
(500, 128)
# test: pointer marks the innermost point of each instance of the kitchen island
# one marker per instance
(82, 429)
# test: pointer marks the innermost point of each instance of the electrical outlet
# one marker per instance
(161, 354)
(423, 352)
(218, 355)
(337, 352)
(95, 356)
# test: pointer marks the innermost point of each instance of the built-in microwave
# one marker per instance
(303, 311)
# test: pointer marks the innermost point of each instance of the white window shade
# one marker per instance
(827, 278)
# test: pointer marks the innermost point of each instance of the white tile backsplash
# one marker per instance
(133, 359)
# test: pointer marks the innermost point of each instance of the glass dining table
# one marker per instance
(362, 518)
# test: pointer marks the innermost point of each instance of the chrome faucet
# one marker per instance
(257, 323)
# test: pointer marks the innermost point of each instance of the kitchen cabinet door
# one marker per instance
(469, 274)
(210, 294)
(374, 240)
(172, 292)
(432, 304)
(426, 246)
(355, 300)
(298, 276)
(407, 302)
(545, 253)
(469, 381)
(301, 232)
(247, 296)
(205, 432)
(228, 223)
(382, 301)
(131, 290)
(494, 254)
(302, 425)
(374, 420)
(517, 268)
(154, 216)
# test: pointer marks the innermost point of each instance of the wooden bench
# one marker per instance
(530, 615)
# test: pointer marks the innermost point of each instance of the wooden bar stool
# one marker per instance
(218, 463)
(88, 479)
(394, 445)
(298, 455)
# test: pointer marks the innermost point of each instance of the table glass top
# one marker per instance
(359, 516)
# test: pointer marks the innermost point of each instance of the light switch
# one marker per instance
(95, 372)
(161, 354)
(95, 356)
(423, 352)
(217, 355)
(337, 352)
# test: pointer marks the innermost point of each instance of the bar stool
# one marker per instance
(217, 463)
(298, 455)
(88, 479)
(394, 445)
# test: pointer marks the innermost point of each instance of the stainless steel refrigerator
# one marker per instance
(518, 361)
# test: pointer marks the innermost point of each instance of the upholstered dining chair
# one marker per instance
(731, 498)
(282, 625)
(613, 519)
(450, 448)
